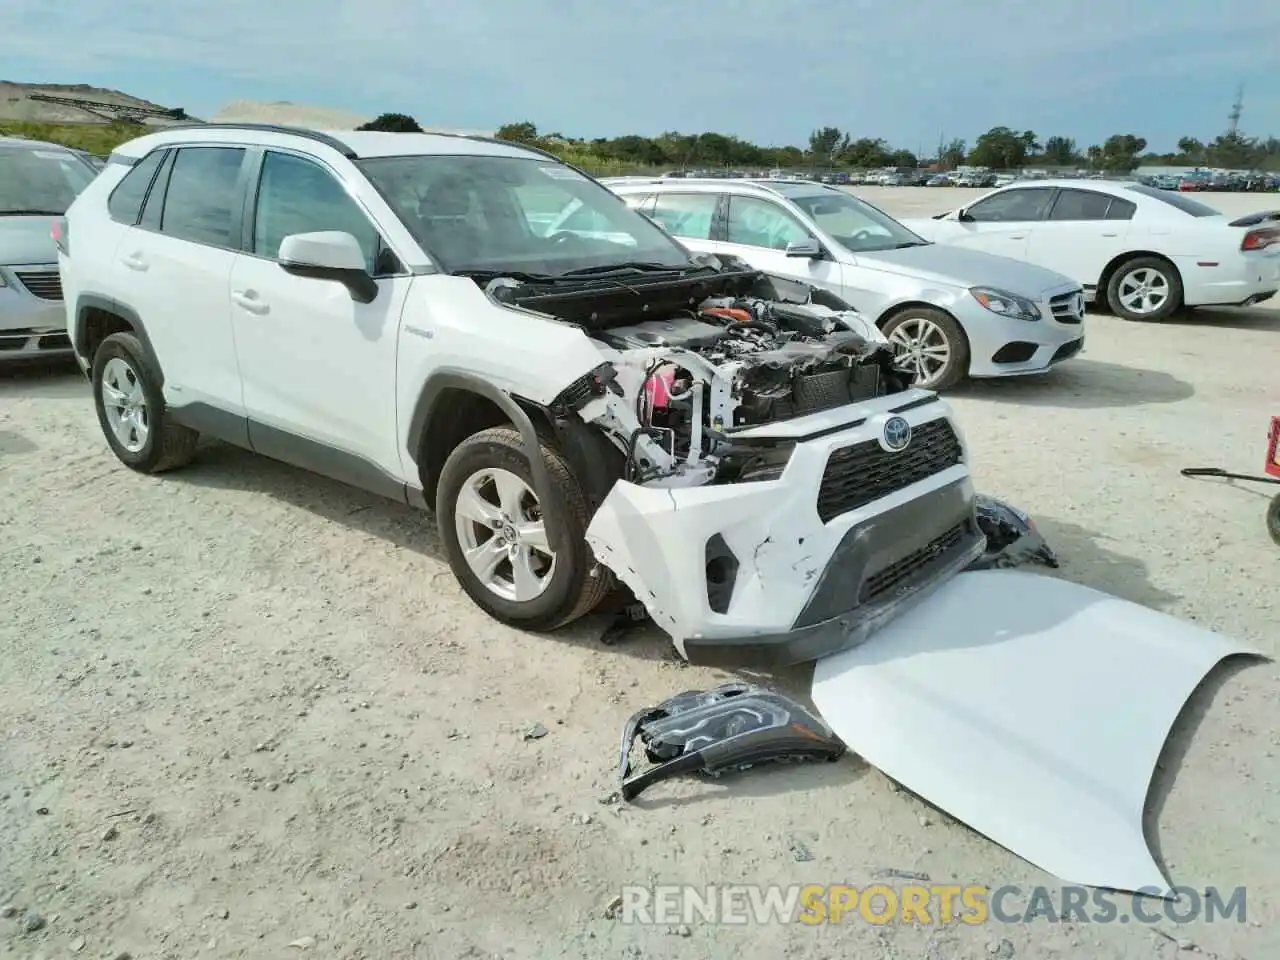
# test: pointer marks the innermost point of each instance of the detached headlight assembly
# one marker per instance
(1006, 304)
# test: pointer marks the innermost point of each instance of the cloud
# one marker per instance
(767, 70)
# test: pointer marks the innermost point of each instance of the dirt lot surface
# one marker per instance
(246, 712)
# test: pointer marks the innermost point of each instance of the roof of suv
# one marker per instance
(354, 144)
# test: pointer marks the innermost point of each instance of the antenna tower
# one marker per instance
(1236, 109)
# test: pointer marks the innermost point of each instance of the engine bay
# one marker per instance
(688, 360)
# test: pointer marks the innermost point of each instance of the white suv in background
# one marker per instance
(949, 312)
(405, 312)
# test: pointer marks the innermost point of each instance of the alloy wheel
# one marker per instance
(921, 347)
(125, 404)
(1144, 291)
(503, 535)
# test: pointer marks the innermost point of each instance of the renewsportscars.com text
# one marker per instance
(922, 904)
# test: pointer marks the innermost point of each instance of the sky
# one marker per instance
(769, 71)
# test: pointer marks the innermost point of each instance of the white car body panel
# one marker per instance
(313, 361)
(1205, 249)
(451, 326)
(1030, 708)
(184, 291)
(1078, 248)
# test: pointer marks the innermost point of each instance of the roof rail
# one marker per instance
(316, 135)
(498, 142)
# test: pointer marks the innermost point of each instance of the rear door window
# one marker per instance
(201, 202)
(1080, 205)
(687, 215)
(1121, 209)
(125, 203)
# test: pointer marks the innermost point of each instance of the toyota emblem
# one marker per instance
(896, 435)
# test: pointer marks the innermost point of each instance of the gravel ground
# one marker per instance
(246, 712)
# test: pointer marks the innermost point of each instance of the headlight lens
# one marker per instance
(1005, 303)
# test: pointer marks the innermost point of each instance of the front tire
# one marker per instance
(1145, 289)
(929, 344)
(494, 533)
(131, 408)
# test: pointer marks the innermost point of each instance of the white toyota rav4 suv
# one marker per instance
(587, 412)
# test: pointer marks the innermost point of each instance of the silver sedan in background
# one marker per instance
(949, 312)
(38, 181)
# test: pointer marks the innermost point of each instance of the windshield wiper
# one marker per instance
(631, 266)
(911, 243)
(31, 213)
(520, 275)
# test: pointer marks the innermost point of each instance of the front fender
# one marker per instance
(451, 378)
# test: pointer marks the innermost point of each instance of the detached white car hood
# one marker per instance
(1032, 709)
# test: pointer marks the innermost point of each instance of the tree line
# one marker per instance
(1000, 148)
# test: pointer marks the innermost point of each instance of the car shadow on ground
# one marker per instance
(223, 466)
(1093, 559)
(1227, 318)
(42, 380)
(1081, 384)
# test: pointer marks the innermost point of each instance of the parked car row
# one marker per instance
(1215, 182)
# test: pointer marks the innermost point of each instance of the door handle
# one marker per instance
(1111, 234)
(249, 300)
(135, 262)
(1017, 236)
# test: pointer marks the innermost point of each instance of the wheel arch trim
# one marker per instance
(96, 301)
(458, 379)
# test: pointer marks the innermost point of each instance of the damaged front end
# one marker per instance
(774, 489)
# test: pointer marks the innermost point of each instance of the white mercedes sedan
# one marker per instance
(1142, 251)
(948, 313)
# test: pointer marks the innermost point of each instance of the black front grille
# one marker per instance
(885, 581)
(45, 284)
(1067, 350)
(1063, 307)
(865, 472)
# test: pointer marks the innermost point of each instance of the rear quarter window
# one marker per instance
(1176, 200)
(125, 203)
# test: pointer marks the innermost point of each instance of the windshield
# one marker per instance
(1185, 204)
(856, 226)
(34, 181)
(479, 214)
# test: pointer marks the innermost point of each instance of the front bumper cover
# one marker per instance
(879, 568)
(775, 572)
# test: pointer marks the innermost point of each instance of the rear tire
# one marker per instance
(131, 408)
(1145, 289)
(930, 343)
(516, 583)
